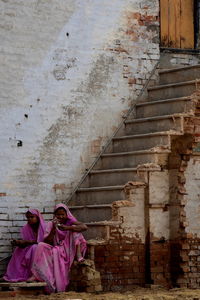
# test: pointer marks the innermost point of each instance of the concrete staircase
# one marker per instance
(144, 144)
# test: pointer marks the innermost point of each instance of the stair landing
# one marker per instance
(12, 289)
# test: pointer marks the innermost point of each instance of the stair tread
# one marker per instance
(103, 223)
(163, 86)
(149, 151)
(179, 69)
(121, 170)
(178, 115)
(90, 206)
(112, 170)
(99, 188)
(158, 133)
(163, 101)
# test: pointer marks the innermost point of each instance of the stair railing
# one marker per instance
(124, 118)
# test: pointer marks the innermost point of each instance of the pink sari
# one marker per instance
(19, 267)
(52, 263)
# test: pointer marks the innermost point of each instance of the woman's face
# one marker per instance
(61, 215)
(32, 219)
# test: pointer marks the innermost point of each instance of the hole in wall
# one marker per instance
(19, 143)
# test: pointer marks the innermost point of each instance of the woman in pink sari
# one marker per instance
(19, 267)
(62, 243)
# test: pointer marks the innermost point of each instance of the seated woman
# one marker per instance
(19, 267)
(62, 243)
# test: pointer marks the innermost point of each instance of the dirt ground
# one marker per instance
(136, 294)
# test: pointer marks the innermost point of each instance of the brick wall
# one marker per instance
(160, 263)
(121, 262)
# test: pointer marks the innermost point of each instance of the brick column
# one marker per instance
(122, 261)
(159, 246)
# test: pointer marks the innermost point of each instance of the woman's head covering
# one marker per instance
(27, 232)
(70, 217)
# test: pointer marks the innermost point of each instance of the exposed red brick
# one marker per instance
(121, 50)
(111, 258)
(3, 194)
(60, 186)
(131, 81)
(185, 246)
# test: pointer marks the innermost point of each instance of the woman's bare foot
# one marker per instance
(31, 279)
(80, 259)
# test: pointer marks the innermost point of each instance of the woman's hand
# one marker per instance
(18, 243)
(50, 238)
(22, 243)
(55, 225)
(55, 222)
(63, 227)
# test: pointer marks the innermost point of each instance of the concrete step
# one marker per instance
(173, 90)
(153, 124)
(22, 284)
(99, 230)
(92, 213)
(132, 159)
(111, 177)
(163, 107)
(140, 142)
(97, 195)
(180, 74)
(8, 290)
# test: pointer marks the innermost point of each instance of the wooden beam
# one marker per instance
(164, 23)
(187, 24)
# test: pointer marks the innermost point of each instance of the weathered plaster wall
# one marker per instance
(174, 59)
(132, 211)
(158, 199)
(192, 207)
(69, 70)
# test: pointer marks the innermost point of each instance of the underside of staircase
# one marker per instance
(115, 199)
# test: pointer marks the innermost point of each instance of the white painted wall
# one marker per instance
(133, 215)
(192, 185)
(158, 198)
(69, 70)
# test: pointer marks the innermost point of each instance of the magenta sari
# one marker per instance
(19, 267)
(52, 263)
